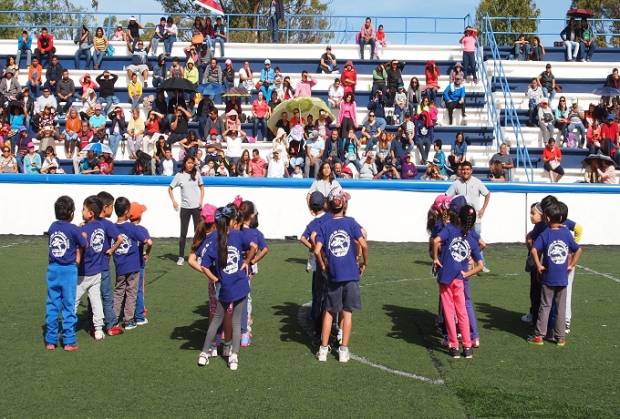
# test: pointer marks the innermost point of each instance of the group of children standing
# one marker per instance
(79, 263)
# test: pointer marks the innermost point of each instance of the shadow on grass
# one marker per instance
(413, 326)
(168, 256)
(423, 262)
(300, 261)
(291, 327)
(497, 318)
(193, 336)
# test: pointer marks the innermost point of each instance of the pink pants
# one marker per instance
(453, 304)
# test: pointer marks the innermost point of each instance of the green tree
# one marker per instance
(604, 9)
(316, 9)
(525, 9)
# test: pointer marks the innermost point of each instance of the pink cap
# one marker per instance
(442, 202)
(208, 213)
(30, 145)
(237, 201)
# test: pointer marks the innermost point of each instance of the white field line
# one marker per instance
(395, 281)
(592, 271)
(301, 318)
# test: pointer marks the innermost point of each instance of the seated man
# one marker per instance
(501, 164)
(371, 131)
(139, 63)
(97, 123)
(328, 61)
(45, 100)
(90, 164)
(65, 91)
(454, 97)
(587, 42)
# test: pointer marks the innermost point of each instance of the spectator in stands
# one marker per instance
(394, 80)
(159, 71)
(87, 83)
(53, 74)
(468, 41)
(350, 149)
(439, 159)
(367, 36)
(546, 119)
(570, 36)
(389, 171)
(534, 95)
(135, 132)
(414, 95)
(315, 147)
(371, 131)
(228, 74)
(379, 80)
(587, 41)
(170, 35)
(190, 145)
(521, 48)
(232, 121)
(134, 90)
(24, 48)
(105, 164)
(546, 80)
(8, 163)
(267, 90)
(133, 33)
(45, 100)
(211, 123)
(118, 129)
(166, 165)
(84, 42)
(400, 105)
(610, 135)
(139, 63)
(213, 75)
(368, 168)
(100, 47)
(377, 105)
(73, 125)
(287, 88)
(575, 122)
(50, 164)
(537, 50)
(45, 46)
(11, 65)
(32, 161)
(152, 130)
(454, 97)
(46, 128)
(246, 77)
(119, 34)
(34, 77)
(334, 147)
(106, 83)
(347, 116)
(458, 151)
(258, 165)
(501, 164)
(328, 61)
(21, 145)
(261, 113)
(431, 73)
(381, 43)
(408, 170)
(158, 36)
(180, 125)
(220, 35)
(561, 117)
(335, 94)
(305, 85)
(267, 74)
(613, 79)
(176, 69)
(276, 166)
(89, 101)
(89, 165)
(552, 159)
(593, 137)
(97, 122)
(349, 77)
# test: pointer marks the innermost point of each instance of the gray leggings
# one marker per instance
(238, 309)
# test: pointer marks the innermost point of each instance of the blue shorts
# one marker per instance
(343, 296)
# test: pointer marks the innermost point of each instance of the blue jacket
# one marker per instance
(20, 43)
(453, 93)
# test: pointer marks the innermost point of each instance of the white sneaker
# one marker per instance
(322, 353)
(203, 359)
(526, 318)
(213, 352)
(485, 269)
(180, 261)
(226, 349)
(99, 335)
(339, 336)
(142, 322)
(233, 362)
(343, 354)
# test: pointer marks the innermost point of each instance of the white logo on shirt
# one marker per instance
(232, 264)
(558, 252)
(97, 238)
(125, 246)
(339, 243)
(59, 244)
(459, 249)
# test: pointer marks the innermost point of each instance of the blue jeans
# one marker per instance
(471, 313)
(423, 143)
(79, 54)
(585, 51)
(61, 290)
(107, 299)
(168, 42)
(154, 46)
(139, 313)
(469, 64)
(521, 52)
(98, 58)
(114, 140)
(18, 56)
(549, 94)
(220, 41)
(135, 102)
(478, 229)
(263, 128)
(363, 43)
(532, 112)
(34, 89)
(109, 102)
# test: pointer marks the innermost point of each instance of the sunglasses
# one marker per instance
(6, 151)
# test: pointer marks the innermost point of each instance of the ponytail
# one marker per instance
(431, 219)
(223, 216)
(247, 209)
(467, 218)
(201, 233)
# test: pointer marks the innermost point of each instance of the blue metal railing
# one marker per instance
(341, 29)
(511, 118)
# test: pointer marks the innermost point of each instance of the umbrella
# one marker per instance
(306, 106)
(97, 148)
(575, 12)
(600, 157)
(212, 5)
(211, 89)
(177, 84)
(236, 92)
(607, 91)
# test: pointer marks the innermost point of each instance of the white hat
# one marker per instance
(132, 18)
(267, 61)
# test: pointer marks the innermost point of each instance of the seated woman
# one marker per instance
(458, 151)
(552, 158)
(190, 145)
(521, 48)
(50, 164)
(537, 50)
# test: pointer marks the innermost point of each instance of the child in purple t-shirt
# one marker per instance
(340, 244)
(560, 254)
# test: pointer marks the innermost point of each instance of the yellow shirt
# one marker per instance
(191, 75)
(100, 43)
(134, 89)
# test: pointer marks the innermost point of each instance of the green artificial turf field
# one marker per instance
(151, 371)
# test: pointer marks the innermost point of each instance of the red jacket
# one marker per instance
(50, 42)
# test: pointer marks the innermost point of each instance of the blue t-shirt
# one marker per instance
(64, 239)
(127, 257)
(234, 281)
(455, 253)
(542, 226)
(338, 236)
(145, 233)
(209, 240)
(92, 260)
(439, 225)
(314, 226)
(256, 236)
(111, 234)
(554, 247)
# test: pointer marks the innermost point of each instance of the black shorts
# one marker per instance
(343, 296)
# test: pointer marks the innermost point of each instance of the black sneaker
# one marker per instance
(468, 353)
(454, 353)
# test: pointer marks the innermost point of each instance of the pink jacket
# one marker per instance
(350, 109)
(304, 88)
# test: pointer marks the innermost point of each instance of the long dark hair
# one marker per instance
(223, 216)
(319, 175)
(247, 209)
(200, 234)
(467, 219)
(194, 170)
(431, 219)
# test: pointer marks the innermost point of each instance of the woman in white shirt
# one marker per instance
(234, 145)
(280, 144)
(170, 35)
(50, 164)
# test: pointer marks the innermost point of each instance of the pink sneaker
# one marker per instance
(245, 340)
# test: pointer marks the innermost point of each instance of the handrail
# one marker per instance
(343, 26)
(511, 118)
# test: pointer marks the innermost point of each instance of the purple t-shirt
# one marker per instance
(64, 239)
(145, 233)
(542, 226)
(234, 281)
(127, 257)
(111, 234)
(338, 237)
(92, 260)
(455, 253)
(256, 236)
(554, 247)
(315, 225)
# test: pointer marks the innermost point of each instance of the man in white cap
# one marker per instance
(267, 73)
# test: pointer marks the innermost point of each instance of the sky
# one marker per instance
(392, 8)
